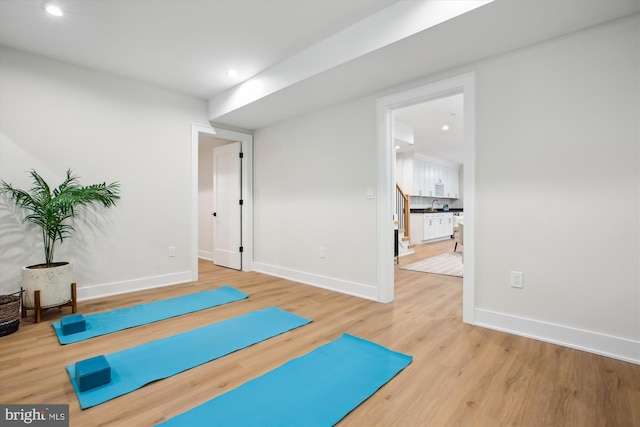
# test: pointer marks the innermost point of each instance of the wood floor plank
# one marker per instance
(461, 375)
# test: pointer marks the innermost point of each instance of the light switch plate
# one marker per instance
(516, 279)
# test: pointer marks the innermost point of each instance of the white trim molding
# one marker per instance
(338, 285)
(206, 255)
(246, 141)
(124, 287)
(464, 84)
(580, 339)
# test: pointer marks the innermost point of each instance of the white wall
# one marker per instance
(558, 182)
(557, 188)
(310, 191)
(55, 116)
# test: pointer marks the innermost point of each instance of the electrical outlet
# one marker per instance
(323, 253)
(516, 279)
(172, 251)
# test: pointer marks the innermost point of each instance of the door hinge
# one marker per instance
(241, 155)
(241, 202)
(241, 249)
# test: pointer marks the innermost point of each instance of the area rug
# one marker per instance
(136, 366)
(317, 389)
(129, 317)
(449, 263)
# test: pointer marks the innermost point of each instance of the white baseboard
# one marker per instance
(592, 342)
(116, 288)
(205, 255)
(338, 285)
(409, 252)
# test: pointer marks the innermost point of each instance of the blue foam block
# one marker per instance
(73, 324)
(91, 373)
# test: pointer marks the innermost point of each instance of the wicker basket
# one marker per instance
(9, 313)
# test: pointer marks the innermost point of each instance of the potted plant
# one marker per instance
(49, 284)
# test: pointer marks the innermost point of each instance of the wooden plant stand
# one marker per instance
(39, 310)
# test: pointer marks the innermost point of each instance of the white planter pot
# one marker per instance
(54, 284)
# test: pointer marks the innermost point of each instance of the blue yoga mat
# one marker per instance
(317, 389)
(129, 317)
(134, 367)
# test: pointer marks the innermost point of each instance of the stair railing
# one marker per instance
(403, 210)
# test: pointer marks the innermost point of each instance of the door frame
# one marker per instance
(464, 84)
(246, 141)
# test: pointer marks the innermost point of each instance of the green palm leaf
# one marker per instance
(51, 210)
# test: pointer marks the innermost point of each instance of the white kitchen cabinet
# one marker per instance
(451, 184)
(417, 228)
(439, 174)
(446, 180)
(428, 177)
(430, 227)
(428, 187)
(454, 184)
(447, 221)
(437, 225)
(419, 181)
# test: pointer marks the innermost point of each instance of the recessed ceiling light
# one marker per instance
(232, 73)
(52, 9)
(445, 128)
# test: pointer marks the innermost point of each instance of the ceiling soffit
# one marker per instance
(484, 32)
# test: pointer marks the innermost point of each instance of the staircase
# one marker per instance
(403, 211)
(404, 247)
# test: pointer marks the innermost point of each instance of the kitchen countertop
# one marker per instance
(439, 210)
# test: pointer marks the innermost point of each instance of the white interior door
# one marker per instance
(227, 207)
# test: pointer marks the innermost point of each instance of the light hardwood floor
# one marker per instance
(461, 375)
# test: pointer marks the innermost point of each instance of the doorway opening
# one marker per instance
(464, 85)
(203, 141)
(219, 190)
(429, 149)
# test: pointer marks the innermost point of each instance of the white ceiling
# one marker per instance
(185, 45)
(189, 45)
(426, 121)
